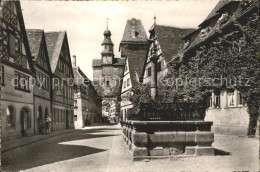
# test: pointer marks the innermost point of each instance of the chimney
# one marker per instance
(74, 61)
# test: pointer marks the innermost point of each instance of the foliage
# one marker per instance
(231, 52)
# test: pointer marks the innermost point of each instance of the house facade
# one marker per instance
(43, 76)
(17, 71)
(227, 109)
(134, 48)
(62, 92)
(87, 103)
(168, 41)
(108, 72)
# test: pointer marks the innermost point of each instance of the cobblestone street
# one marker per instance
(100, 149)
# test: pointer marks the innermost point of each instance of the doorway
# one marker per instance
(67, 119)
(40, 120)
(24, 121)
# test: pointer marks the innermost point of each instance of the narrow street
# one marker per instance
(100, 149)
(86, 149)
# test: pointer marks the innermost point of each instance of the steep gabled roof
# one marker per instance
(136, 26)
(235, 16)
(54, 42)
(214, 12)
(136, 61)
(79, 76)
(35, 38)
(170, 39)
(119, 62)
(96, 62)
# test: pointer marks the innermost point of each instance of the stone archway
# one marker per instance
(40, 113)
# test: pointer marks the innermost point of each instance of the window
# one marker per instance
(159, 66)
(2, 76)
(149, 72)
(24, 61)
(56, 83)
(43, 81)
(61, 116)
(217, 101)
(128, 81)
(47, 83)
(124, 84)
(241, 101)
(210, 102)
(21, 82)
(16, 75)
(10, 116)
(231, 100)
(62, 66)
(27, 84)
(11, 45)
(107, 82)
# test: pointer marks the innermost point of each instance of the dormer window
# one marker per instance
(149, 72)
(245, 5)
(223, 18)
(187, 43)
(205, 32)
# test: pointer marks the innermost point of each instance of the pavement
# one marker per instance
(99, 148)
(23, 141)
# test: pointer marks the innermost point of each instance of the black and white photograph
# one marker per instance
(129, 86)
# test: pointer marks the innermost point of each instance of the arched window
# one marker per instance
(39, 113)
(10, 117)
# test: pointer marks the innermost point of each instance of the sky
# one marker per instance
(85, 21)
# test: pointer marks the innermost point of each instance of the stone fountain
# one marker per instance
(155, 134)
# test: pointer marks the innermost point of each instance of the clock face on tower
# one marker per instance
(107, 59)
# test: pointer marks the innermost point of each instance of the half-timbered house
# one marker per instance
(16, 73)
(169, 43)
(134, 47)
(62, 81)
(42, 85)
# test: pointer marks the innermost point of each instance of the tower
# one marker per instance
(107, 53)
(107, 74)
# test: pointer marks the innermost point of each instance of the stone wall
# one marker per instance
(148, 139)
(231, 121)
